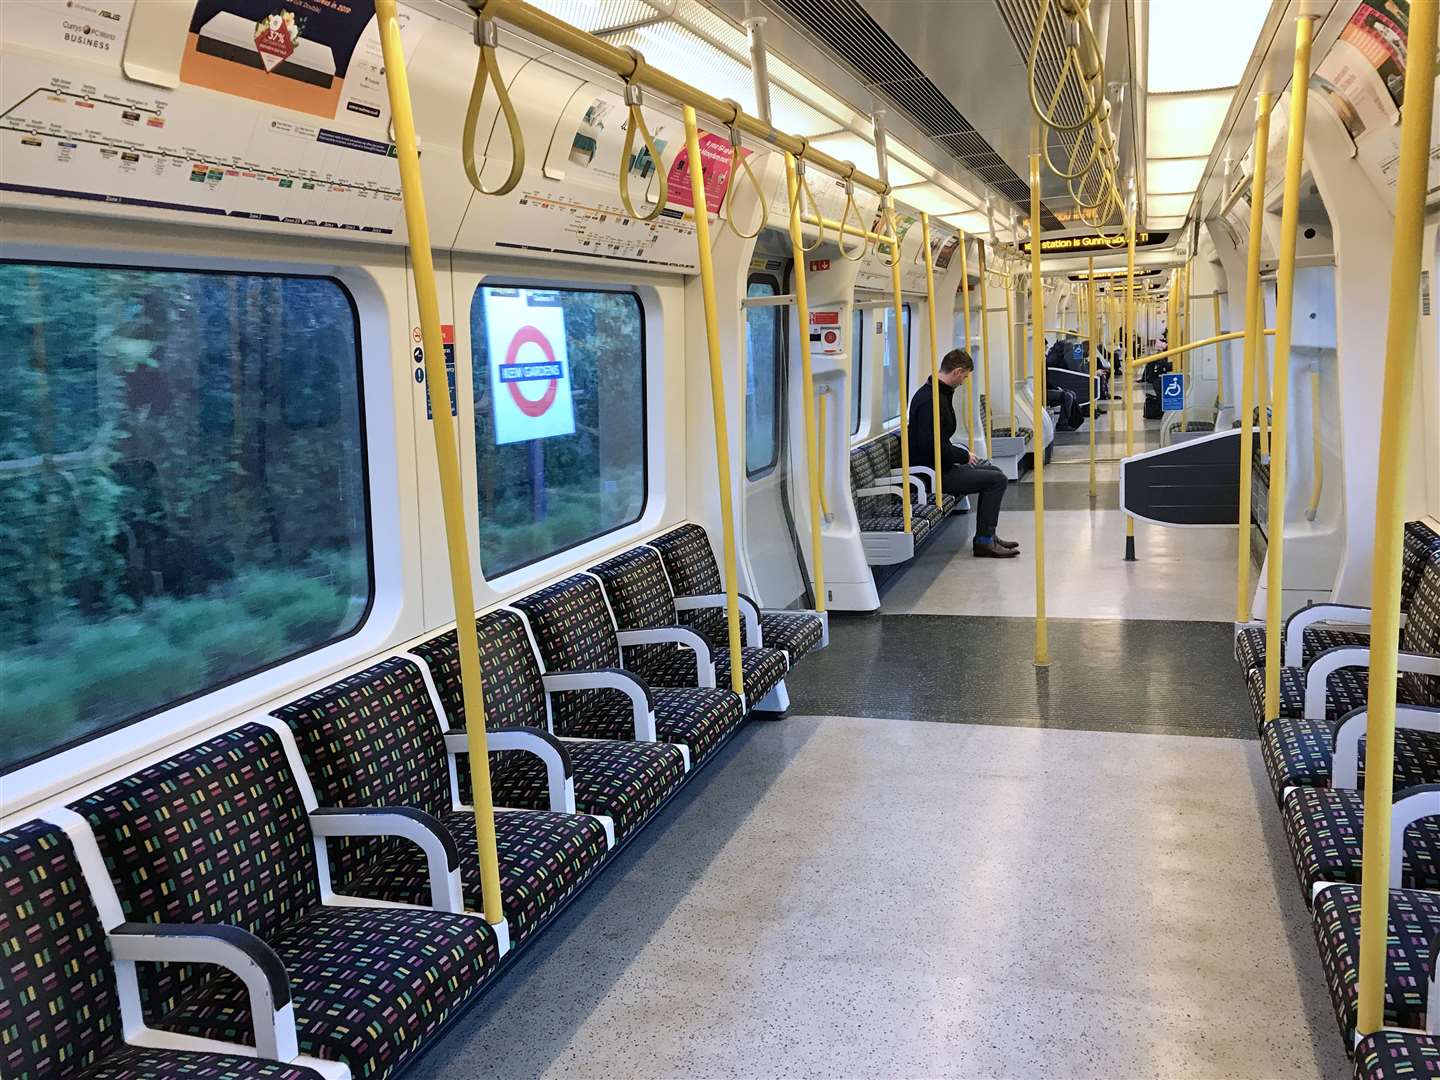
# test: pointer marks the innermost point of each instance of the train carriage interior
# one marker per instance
(736, 538)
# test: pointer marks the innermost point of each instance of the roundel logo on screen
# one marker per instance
(529, 369)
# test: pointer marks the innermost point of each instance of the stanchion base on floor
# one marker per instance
(1129, 549)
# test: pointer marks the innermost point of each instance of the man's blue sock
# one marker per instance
(984, 539)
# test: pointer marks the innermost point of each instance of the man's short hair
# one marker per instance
(957, 358)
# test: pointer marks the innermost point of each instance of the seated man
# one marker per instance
(959, 473)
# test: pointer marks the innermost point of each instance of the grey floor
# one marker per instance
(843, 897)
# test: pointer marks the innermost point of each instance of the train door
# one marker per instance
(771, 544)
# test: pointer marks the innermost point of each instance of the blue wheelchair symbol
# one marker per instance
(1172, 392)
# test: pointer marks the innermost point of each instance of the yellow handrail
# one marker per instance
(900, 369)
(1396, 414)
(1228, 335)
(985, 354)
(938, 461)
(1037, 313)
(970, 382)
(1254, 348)
(1094, 366)
(717, 400)
(447, 457)
(1262, 395)
(793, 179)
(1284, 317)
(1317, 479)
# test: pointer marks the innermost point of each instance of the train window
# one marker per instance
(554, 479)
(183, 495)
(891, 385)
(857, 368)
(764, 368)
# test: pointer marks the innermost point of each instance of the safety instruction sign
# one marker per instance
(1172, 392)
(529, 367)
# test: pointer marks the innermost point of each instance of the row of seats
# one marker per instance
(299, 894)
(1010, 447)
(876, 485)
(1314, 754)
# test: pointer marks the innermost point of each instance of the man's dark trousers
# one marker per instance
(987, 482)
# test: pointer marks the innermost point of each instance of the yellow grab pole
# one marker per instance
(1010, 351)
(970, 382)
(1253, 355)
(1284, 315)
(1037, 313)
(717, 395)
(985, 351)
(1262, 399)
(1395, 413)
(807, 377)
(447, 457)
(934, 352)
(1191, 346)
(1129, 365)
(900, 372)
(1094, 364)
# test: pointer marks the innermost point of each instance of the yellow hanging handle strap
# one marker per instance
(1284, 325)
(447, 457)
(799, 192)
(740, 162)
(939, 460)
(634, 99)
(859, 227)
(1396, 412)
(717, 402)
(487, 69)
(888, 236)
(807, 379)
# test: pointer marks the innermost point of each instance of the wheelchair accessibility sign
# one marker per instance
(529, 368)
(1172, 392)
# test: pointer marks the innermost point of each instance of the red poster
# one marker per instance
(715, 167)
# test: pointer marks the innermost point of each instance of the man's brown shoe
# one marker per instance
(993, 550)
(1011, 544)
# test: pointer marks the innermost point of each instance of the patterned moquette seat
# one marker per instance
(1413, 931)
(1325, 830)
(1346, 688)
(220, 835)
(1421, 543)
(623, 780)
(1003, 432)
(373, 739)
(870, 468)
(1397, 1055)
(575, 632)
(890, 441)
(640, 598)
(690, 563)
(60, 1005)
(1300, 753)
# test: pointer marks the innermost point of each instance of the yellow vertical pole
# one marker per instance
(1187, 330)
(1254, 354)
(1262, 395)
(1129, 361)
(934, 352)
(965, 300)
(1037, 336)
(1284, 315)
(1094, 363)
(900, 368)
(1010, 349)
(807, 378)
(447, 457)
(1396, 414)
(717, 395)
(985, 351)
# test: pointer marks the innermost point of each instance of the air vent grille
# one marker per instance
(857, 39)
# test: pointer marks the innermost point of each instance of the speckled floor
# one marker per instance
(841, 897)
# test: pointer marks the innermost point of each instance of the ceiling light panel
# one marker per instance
(1200, 46)
(931, 199)
(1167, 176)
(1184, 125)
(972, 223)
(847, 146)
(1165, 224)
(598, 15)
(1168, 205)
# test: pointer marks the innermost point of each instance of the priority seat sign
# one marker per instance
(1172, 392)
(529, 368)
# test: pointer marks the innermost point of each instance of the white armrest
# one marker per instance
(551, 751)
(1414, 803)
(919, 488)
(885, 490)
(238, 951)
(1331, 660)
(679, 635)
(441, 854)
(1345, 758)
(749, 613)
(611, 679)
(1353, 616)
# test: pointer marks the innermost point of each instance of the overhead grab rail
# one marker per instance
(487, 70)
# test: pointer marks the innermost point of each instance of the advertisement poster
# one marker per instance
(529, 367)
(315, 56)
(942, 250)
(715, 167)
(600, 139)
(86, 28)
(1363, 75)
